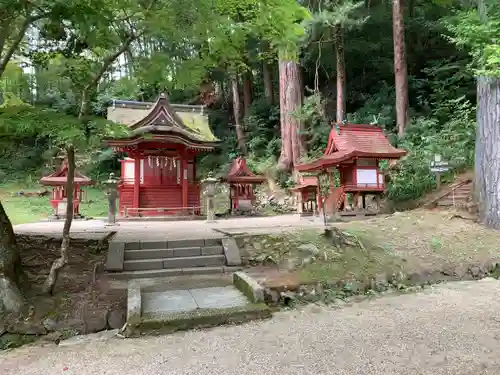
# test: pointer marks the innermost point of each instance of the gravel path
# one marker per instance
(451, 329)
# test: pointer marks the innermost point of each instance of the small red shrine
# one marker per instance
(309, 194)
(158, 176)
(241, 184)
(58, 181)
(356, 152)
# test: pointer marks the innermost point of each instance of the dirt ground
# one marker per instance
(418, 241)
(82, 300)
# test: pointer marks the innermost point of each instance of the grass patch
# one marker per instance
(424, 239)
(28, 209)
(410, 242)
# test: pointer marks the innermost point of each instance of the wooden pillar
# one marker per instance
(236, 196)
(184, 182)
(137, 183)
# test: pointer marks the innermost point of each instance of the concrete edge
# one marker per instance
(248, 286)
(115, 257)
(231, 251)
(203, 318)
(134, 302)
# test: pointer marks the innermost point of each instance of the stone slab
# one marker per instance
(115, 257)
(212, 250)
(148, 254)
(187, 252)
(218, 297)
(132, 245)
(168, 302)
(231, 251)
(248, 286)
(213, 241)
(174, 244)
(143, 264)
(202, 270)
(134, 301)
(198, 261)
(153, 245)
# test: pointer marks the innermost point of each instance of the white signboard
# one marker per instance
(129, 172)
(366, 176)
(61, 208)
(439, 169)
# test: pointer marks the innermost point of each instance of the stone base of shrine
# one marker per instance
(63, 217)
(162, 218)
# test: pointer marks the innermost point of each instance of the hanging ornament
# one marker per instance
(149, 161)
(157, 161)
(172, 162)
(175, 162)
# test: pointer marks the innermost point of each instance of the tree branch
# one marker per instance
(4, 60)
(105, 66)
(29, 20)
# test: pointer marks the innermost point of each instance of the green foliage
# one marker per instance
(179, 45)
(480, 35)
(454, 140)
(312, 113)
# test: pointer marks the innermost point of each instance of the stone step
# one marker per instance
(144, 254)
(458, 195)
(197, 261)
(173, 244)
(129, 275)
(450, 202)
(174, 262)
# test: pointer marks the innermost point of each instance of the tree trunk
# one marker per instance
(11, 298)
(487, 165)
(240, 135)
(247, 92)
(341, 73)
(268, 82)
(292, 146)
(59, 263)
(400, 70)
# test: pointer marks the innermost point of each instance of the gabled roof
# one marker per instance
(60, 177)
(348, 141)
(183, 123)
(239, 172)
(306, 182)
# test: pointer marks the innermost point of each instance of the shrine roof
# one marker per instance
(60, 176)
(349, 141)
(239, 172)
(306, 182)
(162, 117)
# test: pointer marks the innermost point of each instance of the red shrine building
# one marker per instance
(57, 180)
(356, 152)
(308, 191)
(242, 184)
(158, 174)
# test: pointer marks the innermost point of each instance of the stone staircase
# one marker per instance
(459, 196)
(146, 259)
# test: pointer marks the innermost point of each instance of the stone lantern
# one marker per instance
(112, 194)
(210, 185)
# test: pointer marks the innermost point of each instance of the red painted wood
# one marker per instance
(156, 197)
(137, 182)
(184, 182)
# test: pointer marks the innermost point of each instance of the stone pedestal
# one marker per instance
(112, 194)
(210, 210)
